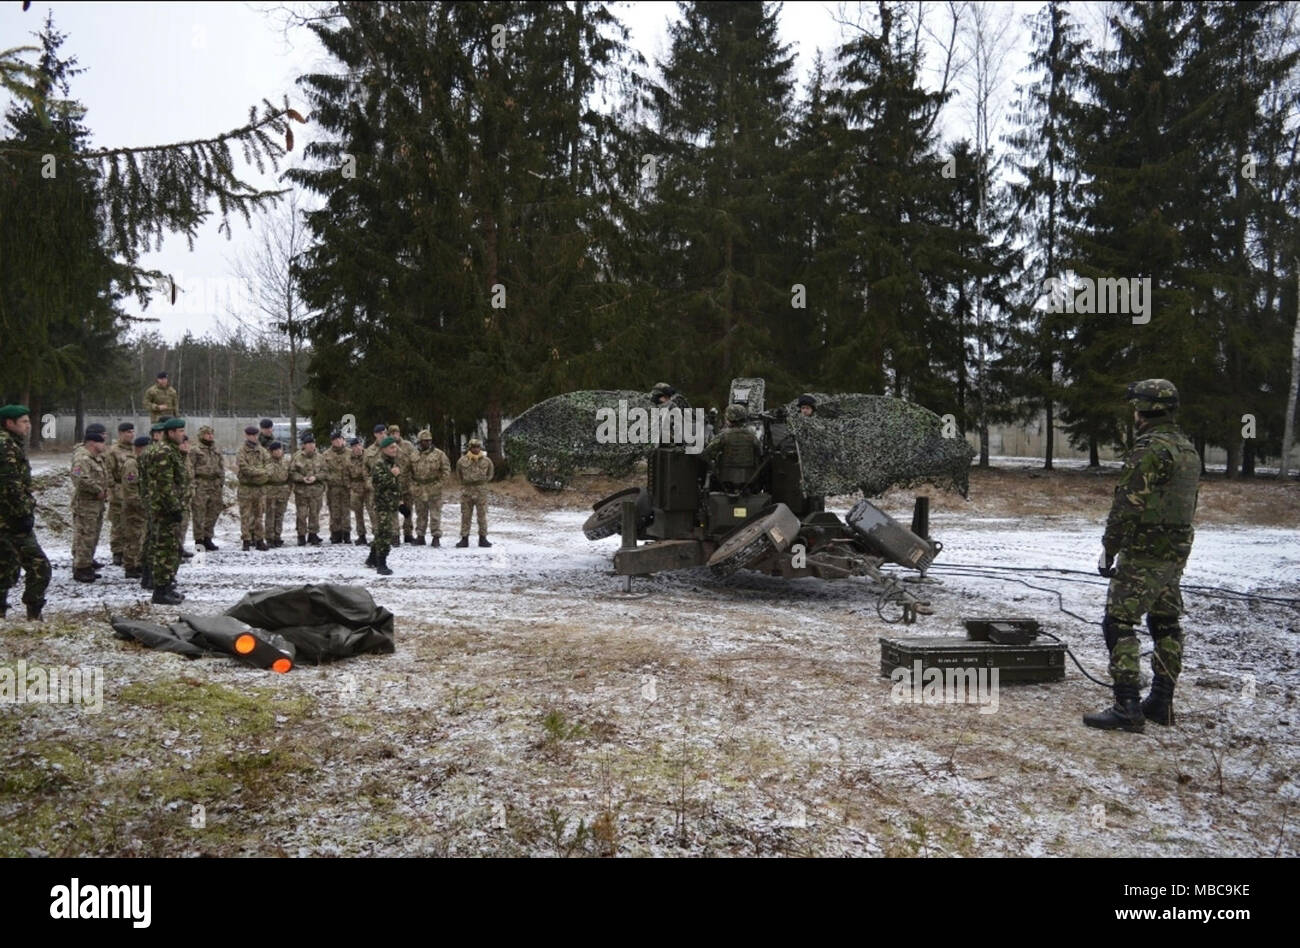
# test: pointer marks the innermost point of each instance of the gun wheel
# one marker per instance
(607, 519)
(753, 541)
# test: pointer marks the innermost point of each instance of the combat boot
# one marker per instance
(314, 539)
(85, 574)
(34, 610)
(4, 603)
(95, 564)
(117, 559)
(407, 538)
(483, 541)
(345, 536)
(302, 540)
(261, 545)
(370, 560)
(1124, 715)
(133, 572)
(1159, 705)
(167, 596)
(361, 540)
(418, 541)
(381, 566)
(334, 536)
(464, 542)
(434, 541)
(186, 554)
(209, 545)
(248, 545)
(146, 576)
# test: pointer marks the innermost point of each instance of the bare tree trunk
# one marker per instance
(1288, 426)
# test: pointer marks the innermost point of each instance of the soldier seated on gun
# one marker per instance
(733, 456)
(662, 394)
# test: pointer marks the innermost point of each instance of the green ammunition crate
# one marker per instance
(1015, 663)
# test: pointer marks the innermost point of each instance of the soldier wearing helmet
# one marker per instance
(662, 393)
(1150, 531)
(733, 455)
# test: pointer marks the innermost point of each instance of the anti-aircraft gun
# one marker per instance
(772, 518)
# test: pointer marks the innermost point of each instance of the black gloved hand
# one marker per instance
(26, 524)
(1104, 566)
(404, 510)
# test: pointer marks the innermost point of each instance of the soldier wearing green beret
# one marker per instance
(19, 550)
(385, 476)
(1150, 530)
(167, 502)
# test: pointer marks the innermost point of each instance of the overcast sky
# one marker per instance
(164, 72)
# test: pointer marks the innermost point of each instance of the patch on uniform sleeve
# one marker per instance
(130, 477)
(76, 470)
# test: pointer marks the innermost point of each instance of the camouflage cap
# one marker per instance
(393, 430)
(474, 443)
(735, 413)
(206, 430)
(1152, 395)
(424, 435)
(662, 388)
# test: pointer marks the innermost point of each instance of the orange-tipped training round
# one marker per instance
(281, 665)
(245, 644)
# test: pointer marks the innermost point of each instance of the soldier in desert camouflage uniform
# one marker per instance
(187, 473)
(360, 492)
(19, 551)
(133, 518)
(89, 494)
(336, 487)
(162, 400)
(405, 454)
(1150, 530)
(475, 472)
(429, 469)
(208, 468)
(250, 469)
(307, 472)
(113, 460)
(278, 490)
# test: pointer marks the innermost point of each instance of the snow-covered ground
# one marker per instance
(535, 707)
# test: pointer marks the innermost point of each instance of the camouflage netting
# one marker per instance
(872, 443)
(555, 438)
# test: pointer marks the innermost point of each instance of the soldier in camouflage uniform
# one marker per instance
(336, 488)
(405, 455)
(162, 399)
(19, 550)
(188, 474)
(735, 453)
(250, 469)
(385, 476)
(89, 494)
(146, 544)
(360, 493)
(307, 471)
(371, 455)
(266, 433)
(475, 471)
(1150, 530)
(113, 460)
(166, 467)
(278, 489)
(429, 468)
(133, 518)
(209, 470)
